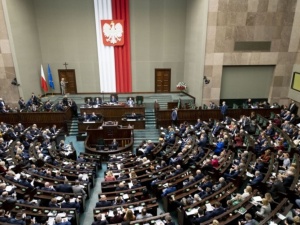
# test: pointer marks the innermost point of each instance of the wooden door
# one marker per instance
(162, 80)
(69, 75)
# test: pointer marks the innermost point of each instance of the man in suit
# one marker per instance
(224, 109)
(199, 175)
(257, 179)
(277, 187)
(177, 171)
(78, 188)
(3, 218)
(84, 117)
(22, 103)
(198, 125)
(218, 210)
(94, 117)
(174, 117)
(293, 108)
(65, 187)
(97, 101)
(200, 218)
(103, 202)
(48, 187)
(68, 204)
(58, 221)
(18, 219)
(121, 187)
(113, 99)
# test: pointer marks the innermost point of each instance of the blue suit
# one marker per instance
(224, 109)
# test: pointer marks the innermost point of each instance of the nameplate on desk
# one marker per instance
(131, 119)
(89, 122)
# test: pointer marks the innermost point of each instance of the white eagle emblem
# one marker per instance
(113, 32)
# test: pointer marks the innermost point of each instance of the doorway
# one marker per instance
(70, 78)
(162, 80)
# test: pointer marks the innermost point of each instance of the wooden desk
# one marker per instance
(41, 119)
(124, 137)
(163, 117)
(114, 113)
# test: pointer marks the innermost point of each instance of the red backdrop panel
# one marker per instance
(120, 11)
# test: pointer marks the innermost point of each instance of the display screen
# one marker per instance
(296, 81)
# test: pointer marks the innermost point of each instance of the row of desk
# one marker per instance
(113, 113)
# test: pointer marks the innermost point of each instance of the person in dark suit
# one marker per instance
(224, 109)
(117, 218)
(199, 175)
(200, 218)
(177, 171)
(68, 204)
(48, 187)
(174, 117)
(93, 117)
(18, 219)
(22, 103)
(24, 182)
(288, 179)
(65, 187)
(53, 203)
(113, 99)
(100, 220)
(103, 202)
(136, 184)
(257, 179)
(97, 101)
(47, 105)
(121, 187)
(3, 218)
(277, 187)
(293, 108)
(218, 210)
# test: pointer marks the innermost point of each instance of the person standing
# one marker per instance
(63, 86)
(174, 117)
(224, 109)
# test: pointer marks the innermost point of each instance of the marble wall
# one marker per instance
(8, 92)
(251, 20)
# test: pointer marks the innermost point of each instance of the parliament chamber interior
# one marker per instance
(170, 112)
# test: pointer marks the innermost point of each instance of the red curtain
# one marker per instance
(120, 11)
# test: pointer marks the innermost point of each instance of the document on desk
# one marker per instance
(249, 174)
(125, 196)
(192, 211)
(257, 198)
(209, 207)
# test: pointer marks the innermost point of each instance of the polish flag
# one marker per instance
(43, 80)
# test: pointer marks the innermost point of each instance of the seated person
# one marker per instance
(97, 101)
(93, 117)
(265, 209)
(113, 99)
(88, 103)
(69, 204)
(84, 117)
(121, 187)
(103, 202)
(114, 145)
(257, 179)
(130, 102)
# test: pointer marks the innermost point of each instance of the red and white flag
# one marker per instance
(43, 80)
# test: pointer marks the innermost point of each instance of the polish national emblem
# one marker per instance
(112, 32)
